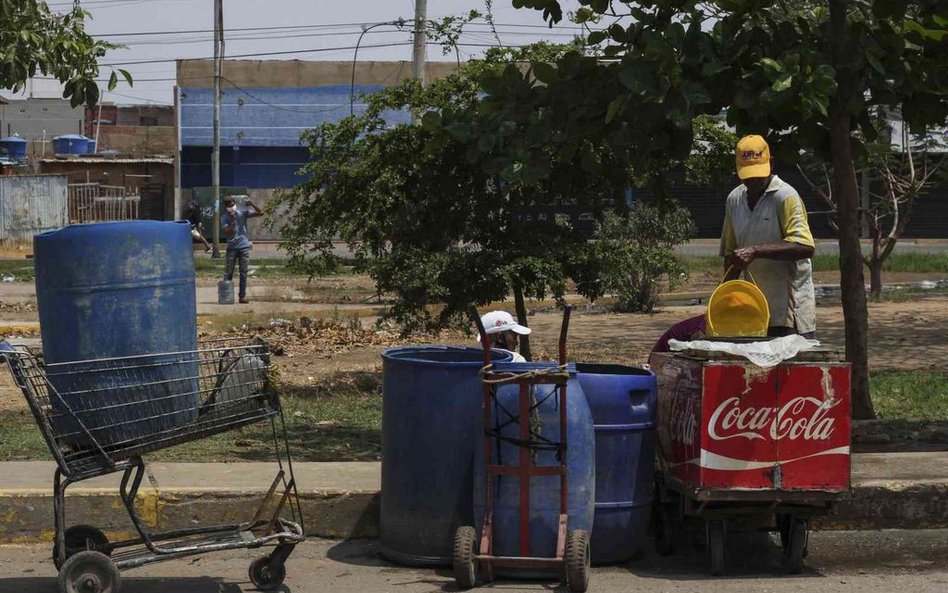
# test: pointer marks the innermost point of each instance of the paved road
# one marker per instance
(860, 562)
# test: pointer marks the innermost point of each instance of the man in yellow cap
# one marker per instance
(766, 232)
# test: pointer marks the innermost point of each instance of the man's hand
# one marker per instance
(741, 258)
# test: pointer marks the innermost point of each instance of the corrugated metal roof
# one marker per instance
(86, 160)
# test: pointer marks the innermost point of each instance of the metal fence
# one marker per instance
(94, 202)
(31, 204)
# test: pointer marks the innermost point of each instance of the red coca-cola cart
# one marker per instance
(746, 447)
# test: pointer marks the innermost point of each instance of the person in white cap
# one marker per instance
(504, 332)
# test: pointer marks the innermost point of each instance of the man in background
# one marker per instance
(234, 221)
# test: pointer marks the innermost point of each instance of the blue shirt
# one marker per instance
(239, 240)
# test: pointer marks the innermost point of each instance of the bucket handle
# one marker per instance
(746, 271)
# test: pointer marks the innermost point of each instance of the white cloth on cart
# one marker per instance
(765, 354)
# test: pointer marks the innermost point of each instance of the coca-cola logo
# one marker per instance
(800, 418)
(683, 422)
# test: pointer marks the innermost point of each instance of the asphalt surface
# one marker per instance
(864, 562)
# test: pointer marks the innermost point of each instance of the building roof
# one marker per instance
(109, 160)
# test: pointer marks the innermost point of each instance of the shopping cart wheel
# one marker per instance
(89, 572)
(465, 563)
(717, 545)
(80, 538)
(577, 561)
(799, 538)
(266, 574)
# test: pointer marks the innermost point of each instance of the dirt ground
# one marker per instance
(904, 335)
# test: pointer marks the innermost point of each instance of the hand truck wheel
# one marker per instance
(266, 574)
(717, 546)
(464, 561)
(799, 535)
(80, 538)
(578, 561)
(89, 572)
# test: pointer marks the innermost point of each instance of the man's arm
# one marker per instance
(797, 241)
(229, 222)
(256, 211)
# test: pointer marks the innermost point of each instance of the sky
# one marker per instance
(330, 26)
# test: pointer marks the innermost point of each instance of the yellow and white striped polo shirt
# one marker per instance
(778, 216)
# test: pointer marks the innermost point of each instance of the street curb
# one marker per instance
(26, 516)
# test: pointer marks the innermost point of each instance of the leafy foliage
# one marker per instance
(439, 229)
(806, 73)
(634, 254)
(34, 41)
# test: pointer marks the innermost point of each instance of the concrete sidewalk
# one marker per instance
(341, 500)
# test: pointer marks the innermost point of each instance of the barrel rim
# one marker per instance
(391, 355)
(587, 368)
(86, 225)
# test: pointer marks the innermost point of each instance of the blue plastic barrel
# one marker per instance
(622, 400)
(113, 290)
(15, 147)
(544, 490)
(431, 406)
(71, 144)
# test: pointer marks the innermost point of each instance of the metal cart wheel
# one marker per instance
(799, 536)
(465, 563)
(80, 538)
(717, 546)
(578, 560)
(783, 526)
(266, 574)
(666, 528)
(89, 572)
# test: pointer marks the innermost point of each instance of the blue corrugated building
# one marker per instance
(265, 107)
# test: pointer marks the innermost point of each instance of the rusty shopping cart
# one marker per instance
(100, 416)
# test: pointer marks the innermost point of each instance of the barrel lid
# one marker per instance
(70, 137)
(13, 138)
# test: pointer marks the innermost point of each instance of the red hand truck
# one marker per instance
(572, 560)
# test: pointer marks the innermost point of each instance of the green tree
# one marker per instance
(433, 222)
(893, 177)
(35, 41)
(806, 73)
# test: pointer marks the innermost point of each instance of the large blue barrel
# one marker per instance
(108, 291)
(15, 147)
(544, 490)
(431, 403)
(623, 404)
(71, 144)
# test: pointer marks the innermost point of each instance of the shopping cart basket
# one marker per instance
(100, 416)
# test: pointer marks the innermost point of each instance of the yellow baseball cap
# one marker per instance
(753, 157)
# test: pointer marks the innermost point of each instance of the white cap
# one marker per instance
(501, 321)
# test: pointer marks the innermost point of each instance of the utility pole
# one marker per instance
(216, 150)
(420, 41)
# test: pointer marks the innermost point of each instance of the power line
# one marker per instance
(260, 54)
(307, 35)
(322, 26)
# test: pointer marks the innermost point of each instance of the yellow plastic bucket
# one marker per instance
(737, 309)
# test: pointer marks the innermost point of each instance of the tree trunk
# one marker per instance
(521, 306)
(875, 278)
(852, 282)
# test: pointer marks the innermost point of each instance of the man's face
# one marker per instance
(507, 340)
(756, 185)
